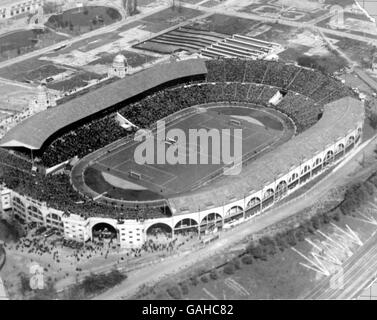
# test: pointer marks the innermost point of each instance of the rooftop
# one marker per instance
(338, 119)
(34, 131)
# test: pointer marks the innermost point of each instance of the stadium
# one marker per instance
(297, 123)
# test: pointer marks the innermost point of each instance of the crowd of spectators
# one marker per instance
(228, 80)
(57, 192)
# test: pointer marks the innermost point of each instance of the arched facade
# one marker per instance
(133, 233)
(211, 221)
(159, 227)
(327, 150)
(185, 225)
(281, 190)
(329, 158)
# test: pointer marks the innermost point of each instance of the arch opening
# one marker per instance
(211, 222)
(268, 198)
(253, 207)
(186, 225)
(158, 229)
(104, 231)
(281, 190)
(35, 214)
(54, 220)
(350, 143)
(293, 181)
(317, 166)
(233, 214)
(329, 158)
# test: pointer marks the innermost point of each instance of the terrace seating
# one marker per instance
(227, 80)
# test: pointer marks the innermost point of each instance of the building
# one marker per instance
(42, 100)
(130, 234)
(133, 233)
(5, 203)
(119, 68)
(224, 202)
(14, 8)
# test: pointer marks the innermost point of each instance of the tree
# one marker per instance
(268, 245)
(184, 287)
(174, 292)
(325, 218)
(315, 222)
(257, 252)
(213, 274)
(229, 268)
(236, 263)
(280, 242)
(300, 233)
(291, 238)
(247, 259)
(194, 281)
(25, 283)
(373, 120)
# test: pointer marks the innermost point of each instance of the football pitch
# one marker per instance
(117, 174)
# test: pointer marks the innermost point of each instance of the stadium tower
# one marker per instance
(42, 100)
(119, 67)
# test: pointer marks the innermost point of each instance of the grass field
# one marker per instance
(14, 98)
(134, 59)
(20, 42)
(225, 24)
(78, 80)
(168, 18)
(81, 20)
(260, 128)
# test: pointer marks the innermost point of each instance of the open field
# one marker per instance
(78, 80)
(133, 59)
(168, 18)
(19, 71)
(81, 20)
(164, 179)
(281, 276)
(14, 98)
(17, 43)
(225, 24)
(274, 9)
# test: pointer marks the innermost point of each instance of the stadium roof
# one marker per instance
(34, 131)
(339, 118)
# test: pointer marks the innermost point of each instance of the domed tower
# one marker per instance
(42, 100)
(119, 67)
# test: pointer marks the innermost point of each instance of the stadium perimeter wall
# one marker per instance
(133, 233)
(234, 208)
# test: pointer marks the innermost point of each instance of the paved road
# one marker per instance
(224, 9)
(110, 28)
(174, 264)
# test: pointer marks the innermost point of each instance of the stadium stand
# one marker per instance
(79, 134)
